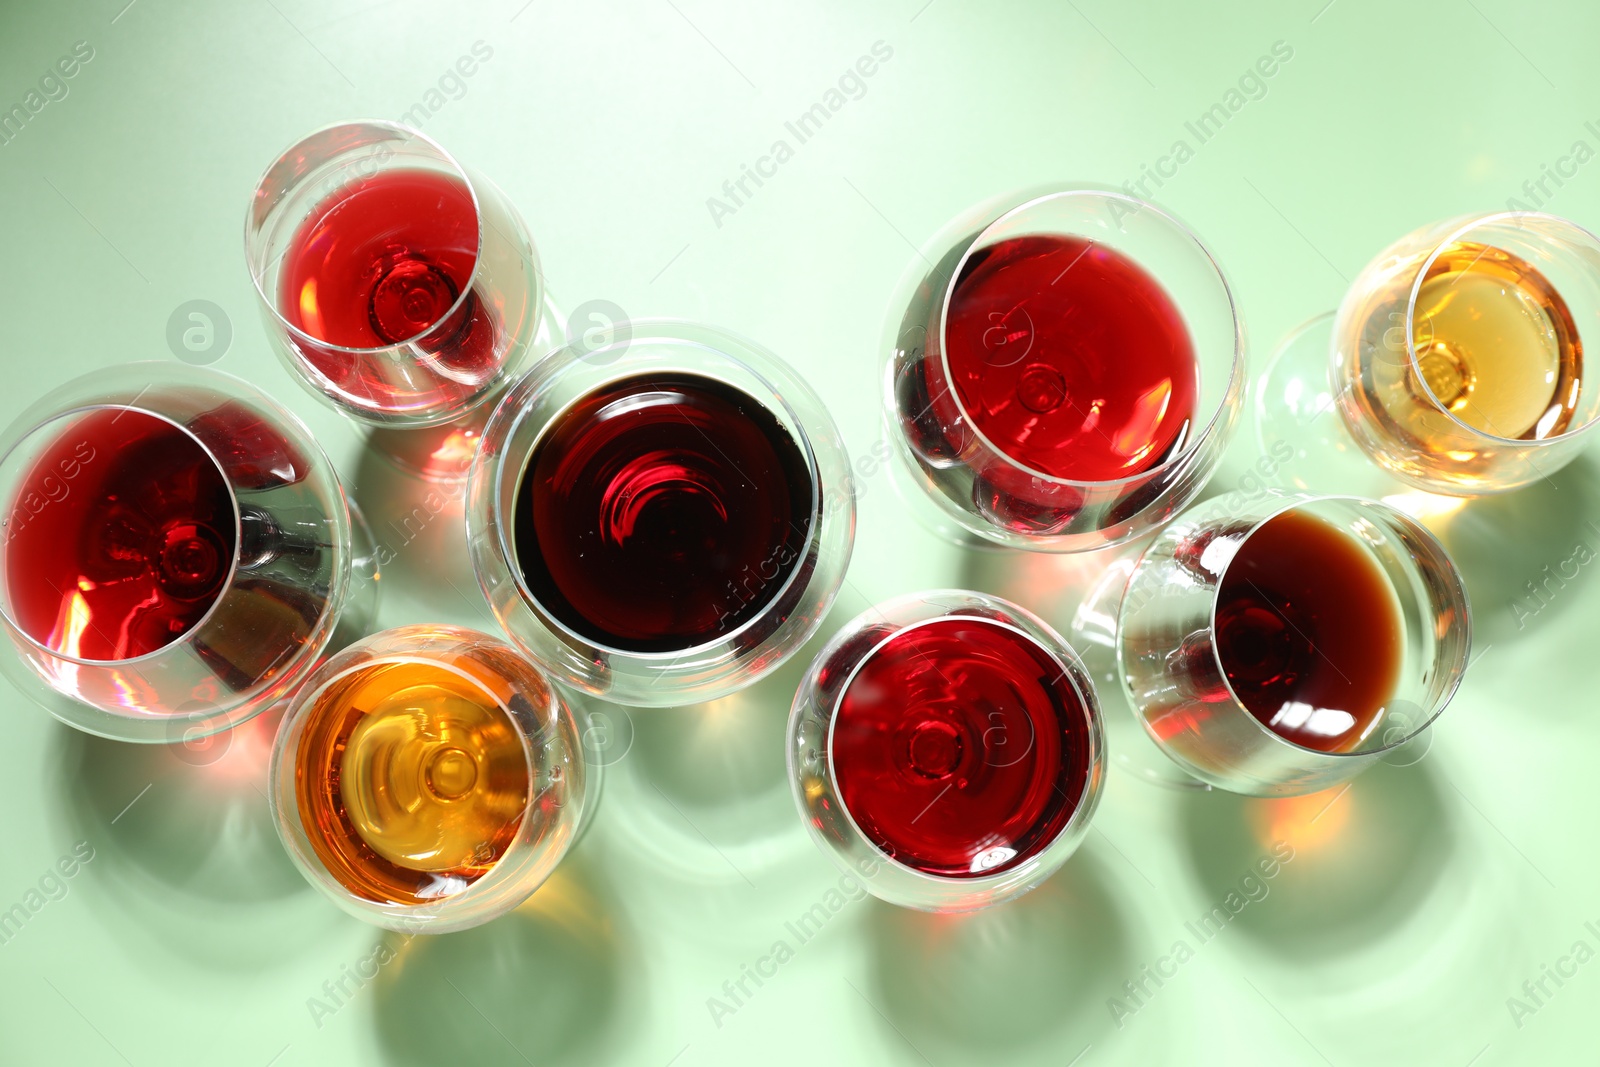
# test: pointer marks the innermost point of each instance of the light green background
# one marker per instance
(1417, 903)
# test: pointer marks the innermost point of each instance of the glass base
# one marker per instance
(1094, 638)
(443, 453)
(1295, 406)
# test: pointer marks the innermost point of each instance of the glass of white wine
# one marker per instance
(1455, 360)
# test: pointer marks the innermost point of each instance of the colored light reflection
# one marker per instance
(1430, 508)
(1311, 822)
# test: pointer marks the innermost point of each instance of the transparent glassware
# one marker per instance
(429, 778)
(443, 454)
(421, 369)
(1444, 362)
(976, 744)
(1174, 678)
(794, 597)
(178, 624)
(982, 495)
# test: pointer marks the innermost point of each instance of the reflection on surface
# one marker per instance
(1366, 856)
(544, 984)
(185, 842)
(1050, 586)
(713, 774)
(993, 981)
(437, 454)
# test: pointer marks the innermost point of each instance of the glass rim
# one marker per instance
(1235, 374)
(183, 639)
(1413, 362)
(1457, 674)
(504, 520)
(295, 720)
(406, 133)
(1086, 701)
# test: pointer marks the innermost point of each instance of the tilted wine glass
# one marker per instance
(1455, 363)
(1283, 646)
(397, 284)
(177, 552)
(1062, 371)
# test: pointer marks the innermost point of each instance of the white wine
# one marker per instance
(1495, 344)
(1497, 367)
(412, 777)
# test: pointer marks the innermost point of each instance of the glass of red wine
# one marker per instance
(1063, 371)
(394, 282)
(177, 552)
(1282, 647)
(662, 519)
(430, 778)
(945, 748)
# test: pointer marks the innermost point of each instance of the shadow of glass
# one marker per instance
(418, 533)
(544, 984)
(1502, 543)
(724, 752)
(1365, 858)
(1050, 586)
(1000, 980)
(720, 764)
(185, 843)
(203, 829)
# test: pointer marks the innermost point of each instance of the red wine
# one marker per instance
(253, 453)
(960, 747)
(1069, 358)
(382, 261)
(662, 511)
(1308, 632)
(121, 537)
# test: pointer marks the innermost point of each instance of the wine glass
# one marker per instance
(1063, 371)
(177, 552)
(1455, 362)
(945, 749)
(396, 283)
(1282, 646)
(663, 519)
(429, 778)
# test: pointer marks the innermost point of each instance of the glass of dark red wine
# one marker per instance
(429, 778)
(1063, 371)
(177, 552)
(1282, 647)
(946, 749)
(394, 282)
(663, 519)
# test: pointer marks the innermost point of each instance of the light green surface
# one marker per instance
(1415, 905)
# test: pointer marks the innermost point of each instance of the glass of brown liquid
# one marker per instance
(429, 778)
(1455, 360)
(1284, 647)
